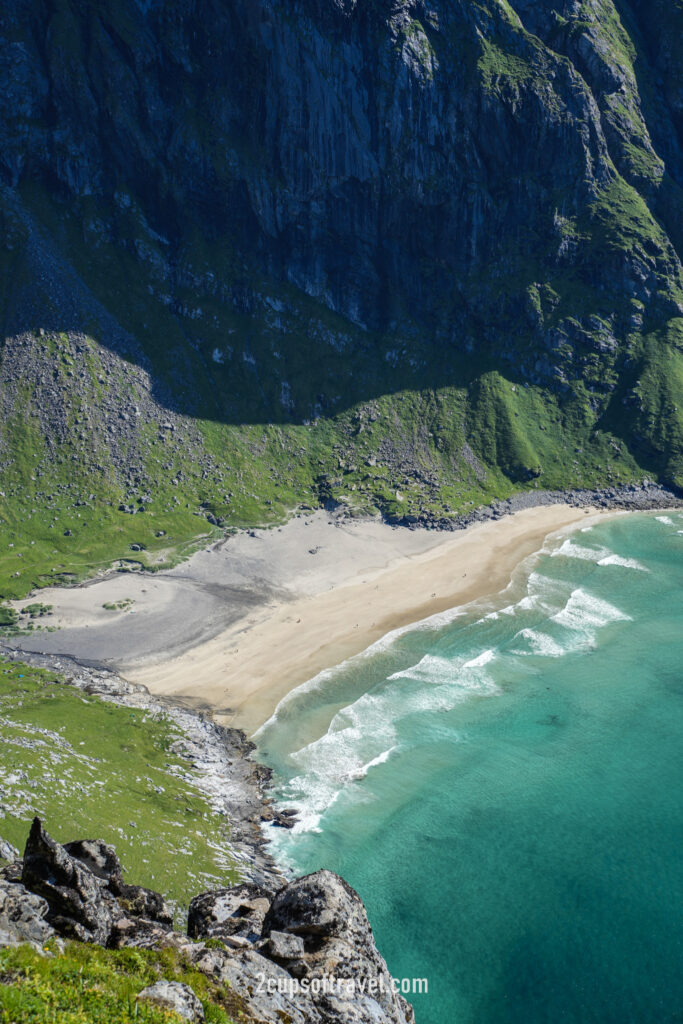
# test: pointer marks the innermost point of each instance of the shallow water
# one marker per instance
(502, 785)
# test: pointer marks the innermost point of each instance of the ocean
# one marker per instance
(502, 785)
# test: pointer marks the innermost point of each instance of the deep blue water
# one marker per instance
(503, 788)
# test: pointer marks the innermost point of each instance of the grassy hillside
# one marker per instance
(83, 984)
(92, 769)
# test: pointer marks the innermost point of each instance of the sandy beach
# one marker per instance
(247, 670)
(237, 626)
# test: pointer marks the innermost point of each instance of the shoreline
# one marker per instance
(243, 673)
(239, 625)
(220, 756)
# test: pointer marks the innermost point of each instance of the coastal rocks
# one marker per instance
(329, 918)
(226, 913)
(305, 955)
(285, 818)
(314, 960)
(171, 995)
(640, 497)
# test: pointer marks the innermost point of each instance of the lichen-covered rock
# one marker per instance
(140, 902)
(102, 860)
(284, 947)
(329, 916)
(269, 992)
(137, 932)
(12, 872)
(23, 916)
(224, 913)
(7, 851)
(171, 995)
(320, 904)
(98, 857)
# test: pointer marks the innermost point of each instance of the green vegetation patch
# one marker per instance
(87, 984)
(91, 769)
(496, 63)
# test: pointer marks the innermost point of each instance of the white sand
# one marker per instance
(237, 626)
(377, 583)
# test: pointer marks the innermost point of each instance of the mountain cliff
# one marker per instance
(401, 255)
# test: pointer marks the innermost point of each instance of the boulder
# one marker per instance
(139, 902)
(171, 995)
(237, 911)
(321, 905)
(283, 947)
(23, 916)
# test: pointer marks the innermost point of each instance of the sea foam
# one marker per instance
(585, 613)
(569, 549)
(539, 643)
(626, 563)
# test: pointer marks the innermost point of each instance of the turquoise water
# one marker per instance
(503, 788)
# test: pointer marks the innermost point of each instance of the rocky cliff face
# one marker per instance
(281, 214)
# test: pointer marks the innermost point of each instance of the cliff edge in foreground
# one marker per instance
(303, 954)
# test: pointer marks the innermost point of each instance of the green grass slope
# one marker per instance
(88, 984)
(92, 769)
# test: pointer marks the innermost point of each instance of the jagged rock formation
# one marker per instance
(304, 953)
(88, 900)
(447, 233)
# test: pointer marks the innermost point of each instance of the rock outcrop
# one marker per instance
(23, 916)
(304, 953)
(87, 899)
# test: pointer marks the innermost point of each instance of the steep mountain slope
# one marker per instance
(399, 254)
